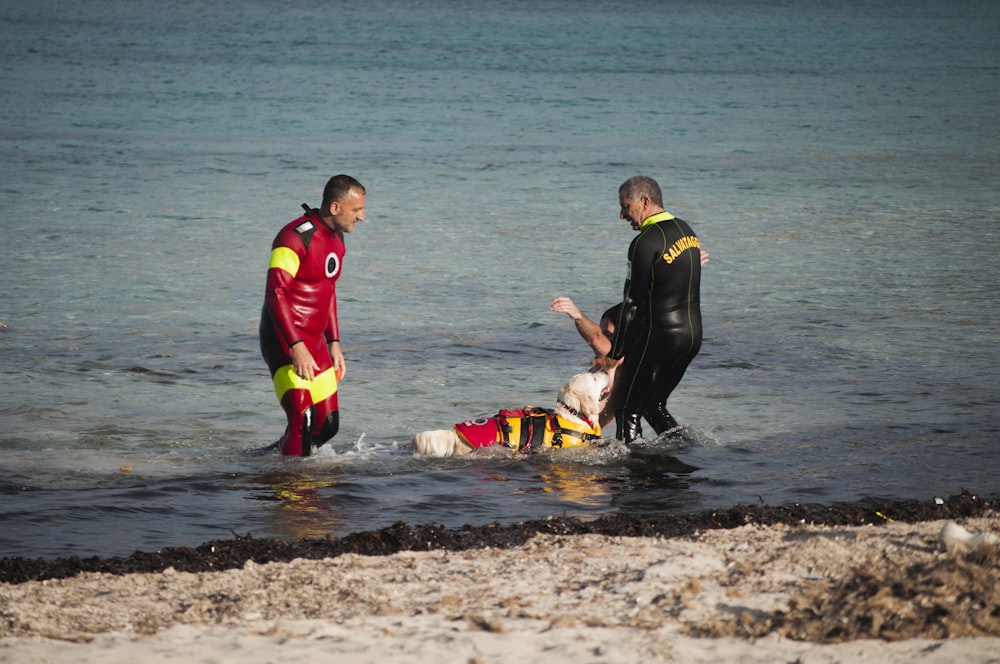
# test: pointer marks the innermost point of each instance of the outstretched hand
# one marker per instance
(564, 305)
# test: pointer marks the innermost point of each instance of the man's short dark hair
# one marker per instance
(338, 187)
(612, 313)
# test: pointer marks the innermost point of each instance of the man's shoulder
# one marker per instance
(298, 230)
(675, 226)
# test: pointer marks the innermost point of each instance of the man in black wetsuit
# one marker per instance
(599, 336)
(658, 331)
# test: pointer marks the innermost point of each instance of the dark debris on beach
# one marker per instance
(228, 554)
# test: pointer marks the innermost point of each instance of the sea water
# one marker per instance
(838, 161)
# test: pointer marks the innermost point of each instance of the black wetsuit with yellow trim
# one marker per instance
(658, 330)
(300, 306)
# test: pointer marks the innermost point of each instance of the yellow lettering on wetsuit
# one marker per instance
(679, 247)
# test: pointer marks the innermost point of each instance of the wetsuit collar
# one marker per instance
(655, 219)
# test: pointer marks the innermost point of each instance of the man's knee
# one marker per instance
(331, 425)
(660, 418)
(297, 440)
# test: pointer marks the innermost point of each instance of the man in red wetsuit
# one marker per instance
(299, 331)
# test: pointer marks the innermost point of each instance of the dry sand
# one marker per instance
(750, 594)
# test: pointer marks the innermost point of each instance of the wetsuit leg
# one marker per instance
(656, 413)
(297, 440)
(637, 385)
(327, 420)
(647, 384)
(628, 428)
(660, 418)
(310, 406)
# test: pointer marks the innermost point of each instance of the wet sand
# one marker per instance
(750, 584)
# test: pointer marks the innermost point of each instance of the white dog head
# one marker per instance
(584, 394)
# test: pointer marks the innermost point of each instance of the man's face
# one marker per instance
(633, 210)
(348, 211)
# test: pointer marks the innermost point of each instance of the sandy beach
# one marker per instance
(886, 592)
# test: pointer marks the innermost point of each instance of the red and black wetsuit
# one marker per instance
(658, 330)
(300, 304)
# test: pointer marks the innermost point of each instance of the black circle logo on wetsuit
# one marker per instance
(332, 265)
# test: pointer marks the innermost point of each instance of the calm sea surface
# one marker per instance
(839, 161)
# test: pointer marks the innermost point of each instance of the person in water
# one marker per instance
(658, 328)
(599, 336)
(299, 329)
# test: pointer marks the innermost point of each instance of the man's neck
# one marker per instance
(655, 218)
(327, 221)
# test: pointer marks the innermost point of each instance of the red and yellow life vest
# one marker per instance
(526, 430)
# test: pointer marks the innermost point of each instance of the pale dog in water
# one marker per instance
(574, 421)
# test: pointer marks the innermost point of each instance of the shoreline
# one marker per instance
(219, 555)
(887, 591)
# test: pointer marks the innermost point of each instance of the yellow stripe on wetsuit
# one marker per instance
(320, 388)
(285, 259)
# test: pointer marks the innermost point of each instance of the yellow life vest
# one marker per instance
(527, 430)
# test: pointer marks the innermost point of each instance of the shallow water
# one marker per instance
(838, 162)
